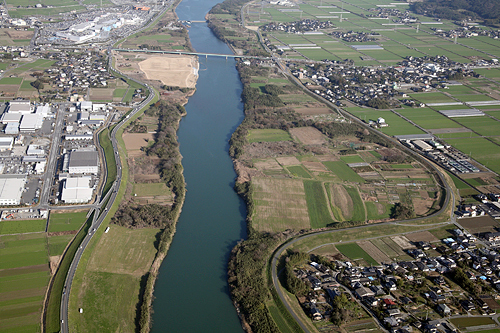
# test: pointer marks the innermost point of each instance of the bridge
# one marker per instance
(206, 55)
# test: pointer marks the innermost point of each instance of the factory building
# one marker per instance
(31, 122)
(6, 143)
(85, 106)
(22, 107)
(11, 118)
(82, 161)
(77, 190)
(11, 189)
(12, 128)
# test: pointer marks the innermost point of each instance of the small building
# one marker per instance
(444, 309)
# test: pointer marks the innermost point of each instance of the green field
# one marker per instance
(479, 149)
(11, 80)
(57, 244)
(151, 189)
(358, 212)
(472, 321)
(428, 118)
(372, 211)
(268, 135)
(343, 171)
(317, 205)
(24, 275)
(352, 159)
(21, 226)
(299, 171)
(66, 221)
(354, 252)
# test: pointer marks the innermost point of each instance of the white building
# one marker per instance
(83, 161)
(34, 150)
(22, 107)
(11, 189)
(86, 106)
(12, 128)
(11, 118)
(6, 143)
(31, 122)
(44, 110)
(77, 190)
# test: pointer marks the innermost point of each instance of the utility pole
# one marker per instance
(418, 26)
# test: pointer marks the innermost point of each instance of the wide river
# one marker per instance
(191, 294)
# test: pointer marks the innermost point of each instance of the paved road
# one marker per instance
(98, 219)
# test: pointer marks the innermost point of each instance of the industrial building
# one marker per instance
(6, 143)
(12, 128)
(22, 107)
(82, 161)
(11, 189)
(77, 190)
(85, 106)
(31, 122)
(11, 118)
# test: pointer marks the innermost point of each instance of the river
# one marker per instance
(191, 293)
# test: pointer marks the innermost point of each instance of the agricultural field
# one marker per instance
(21, 226)
(110, 277)
(24, 276)
(66, 221)
(354, 252)
(268, 135)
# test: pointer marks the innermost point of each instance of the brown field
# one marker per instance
(135, 141)
(315, 166)
(342, 200)
(9, 88)
(18, 34)
(422, 206)
(171, 70)
(280, 205)
(308, 135)
(374, 252)
(479, 224)
(403, 242)
(269, 164)
(490, 301)
(101, 93)
(286, 161)
(421, 236)
(312, 110)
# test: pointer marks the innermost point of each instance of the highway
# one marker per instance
(98, 219)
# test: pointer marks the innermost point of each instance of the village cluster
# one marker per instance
(425, 293)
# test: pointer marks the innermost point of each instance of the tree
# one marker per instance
(38, 84)
(402, 211)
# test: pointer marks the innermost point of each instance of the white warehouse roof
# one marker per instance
(31, 122)
(11, 189)
(11, 118)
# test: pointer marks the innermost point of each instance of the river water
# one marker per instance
(191, 293)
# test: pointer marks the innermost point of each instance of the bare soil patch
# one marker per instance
(9, 88)
(270, 164)
(54, 263)
(287, 161)
(135, 141)
(312, 110)
(315, 166)
(272, 149)
(422, 206)
(171, 70)
(18, 34)
(374, 252)
(479, 224)
(308, 135)
(490, 301)
(61, 233)
(144, 169)
(422, 236)
(403, 242)
(101, 93)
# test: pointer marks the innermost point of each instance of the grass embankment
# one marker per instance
(51, 318)
(109, 155)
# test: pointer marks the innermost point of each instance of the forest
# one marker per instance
(488, 10)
